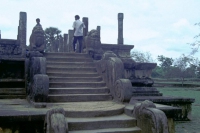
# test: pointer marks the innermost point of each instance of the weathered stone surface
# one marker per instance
(10, 48)
(86, 23)
(122, 51)
(150, 119)
(38, 66)
(65, 47)
(70, 40)
(111, 68)
(181, 102)
(120, 29)
(40, 88)
(123, 90)
(99, 31)
(55, 121)
(148, 82)
(93, 45)
(37, 38)
(61, 44)
(22, 32)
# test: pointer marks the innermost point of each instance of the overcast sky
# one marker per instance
(162, 27)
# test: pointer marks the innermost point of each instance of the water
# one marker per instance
(186, 126)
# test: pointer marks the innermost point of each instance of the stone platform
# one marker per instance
(20, 109)
(84, 117)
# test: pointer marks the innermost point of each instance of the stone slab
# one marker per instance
(21, 110)
(169, 111)
(164, 99)
(111, 130)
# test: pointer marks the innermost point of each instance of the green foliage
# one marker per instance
(157, 72)
(52, 36)
(166, 62)
(195, 45)
(142, 56)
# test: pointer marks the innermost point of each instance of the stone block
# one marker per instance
(150, 119)
(40, 88)
(55, 121)
(37, 66)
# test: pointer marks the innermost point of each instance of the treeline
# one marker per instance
(182, 67)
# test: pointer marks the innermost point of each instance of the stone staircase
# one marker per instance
(73, 78)
(12, 79)
(75, 85)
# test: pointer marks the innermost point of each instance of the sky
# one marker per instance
(161, 27)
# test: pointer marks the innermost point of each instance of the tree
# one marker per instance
(142, 57)
(195, 45)
(52, 36)
(166, 65)
(183, 62)
(166, 62)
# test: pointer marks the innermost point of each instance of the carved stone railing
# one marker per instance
(150, 119)
(15, 48)
(55, 121)
(37, 80)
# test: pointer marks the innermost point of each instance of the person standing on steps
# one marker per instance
(78, 32)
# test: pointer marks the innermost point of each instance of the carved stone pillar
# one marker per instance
(70, 40)
(22, 32)
(99, 31)
(66, 48)
(85, 30)
(120, 40)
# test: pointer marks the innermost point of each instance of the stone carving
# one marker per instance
(37, 38)
(120, 28)
(92, 45)
(111, 68)
(55, 121)
(139, 73)
(10, 49)
(150, 119)
(123, 90)
(37, 81)
(40, 88)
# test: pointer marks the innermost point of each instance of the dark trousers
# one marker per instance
(79, 39)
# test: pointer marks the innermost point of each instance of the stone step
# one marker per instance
(69, 59)
(64, 74)
(111, 130)
(77, 79)
(90, 109)
(12, 91)
(12, 84)
(76, 84)
(145, 91)
(78, 97)
(12, 80)
(70, 64)
(119, 121)
(147, 94)
(71, 70)
(12, 96)
(85, 90)
(62, 54)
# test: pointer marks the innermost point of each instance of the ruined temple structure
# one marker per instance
(100, 90)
